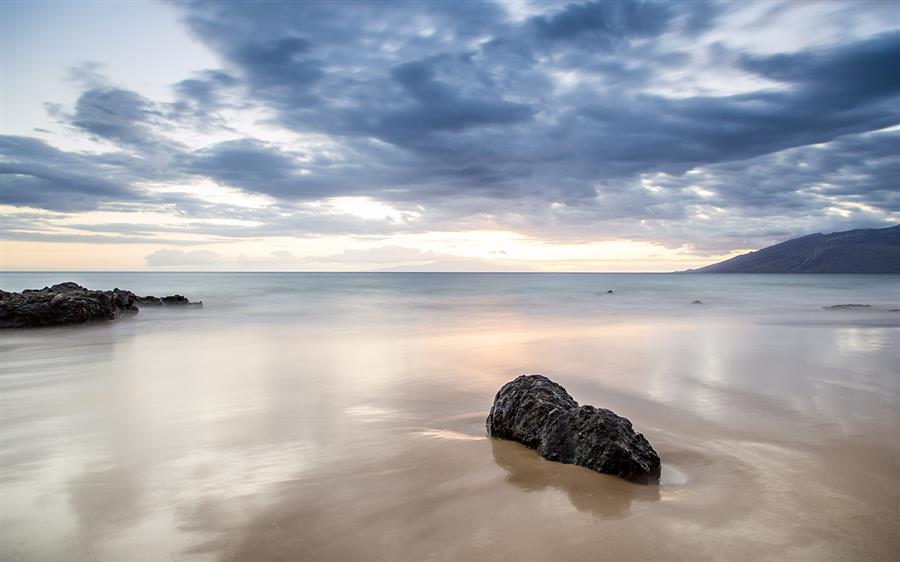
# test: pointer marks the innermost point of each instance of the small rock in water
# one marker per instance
(846, 306)
(698, 301)
(540, 414)
(609, 292)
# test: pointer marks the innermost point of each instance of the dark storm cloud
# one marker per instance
(245, 164)
(551, 124)
(205, 89)
(842, 77)
(454, 108)
(259, 167)
(438, 106)
(34, 174)
(605, 21)
(118, 115)
(280, 68)
(859, 169)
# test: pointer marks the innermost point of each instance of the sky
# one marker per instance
(623, 135)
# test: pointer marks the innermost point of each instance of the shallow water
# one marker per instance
(341, 416)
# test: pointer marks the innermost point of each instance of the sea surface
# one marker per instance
(307, 416)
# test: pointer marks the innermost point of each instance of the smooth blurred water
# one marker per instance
(414, 294)
(340, 416)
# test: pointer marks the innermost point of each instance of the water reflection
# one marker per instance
(857, 339)
(599, 494)
(332, 419)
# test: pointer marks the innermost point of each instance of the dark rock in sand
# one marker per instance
(540, 414)
(697, 302)
(70, 303)
(847, 306)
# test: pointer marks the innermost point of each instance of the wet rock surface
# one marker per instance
(70, 303)
(173, 300)
(540, 414)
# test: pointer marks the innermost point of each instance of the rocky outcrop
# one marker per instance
(540, 414)
(70, 303)
(173, 300)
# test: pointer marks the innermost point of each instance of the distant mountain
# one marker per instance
(873, 250)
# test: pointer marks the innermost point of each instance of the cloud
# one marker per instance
(163, 258)
(566, 124)
(114, 114)
(249, 165)
(467, 129)
(437, 106)
(205, 91)
(605, 21)
(390, 254)
(35, 174)
(842, 76)
(394, 257)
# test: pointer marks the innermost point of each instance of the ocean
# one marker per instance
(340, 416)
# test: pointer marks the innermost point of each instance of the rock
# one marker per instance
(540, 414)
(609, 292)
(150, 301)
(846, 306)
(68, 303)
(173, 300)
(697, 302)
(66, 287)
(895, 310)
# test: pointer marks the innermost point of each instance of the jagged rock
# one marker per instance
(846, 306)
(150, 300)
(540, 414)
(172, 300)
(70, 303)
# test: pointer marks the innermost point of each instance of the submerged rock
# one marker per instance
(70, 303)
(846, 306)
(698, 301)
(540, 414)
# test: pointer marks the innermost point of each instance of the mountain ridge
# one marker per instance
(866, 250)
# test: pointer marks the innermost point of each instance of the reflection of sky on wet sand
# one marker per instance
(205, 436)
(529, 472)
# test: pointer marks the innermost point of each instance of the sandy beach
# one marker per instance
(277, 425)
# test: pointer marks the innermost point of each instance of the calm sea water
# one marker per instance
(340, 416)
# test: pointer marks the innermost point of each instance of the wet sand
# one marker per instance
(199, 437)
